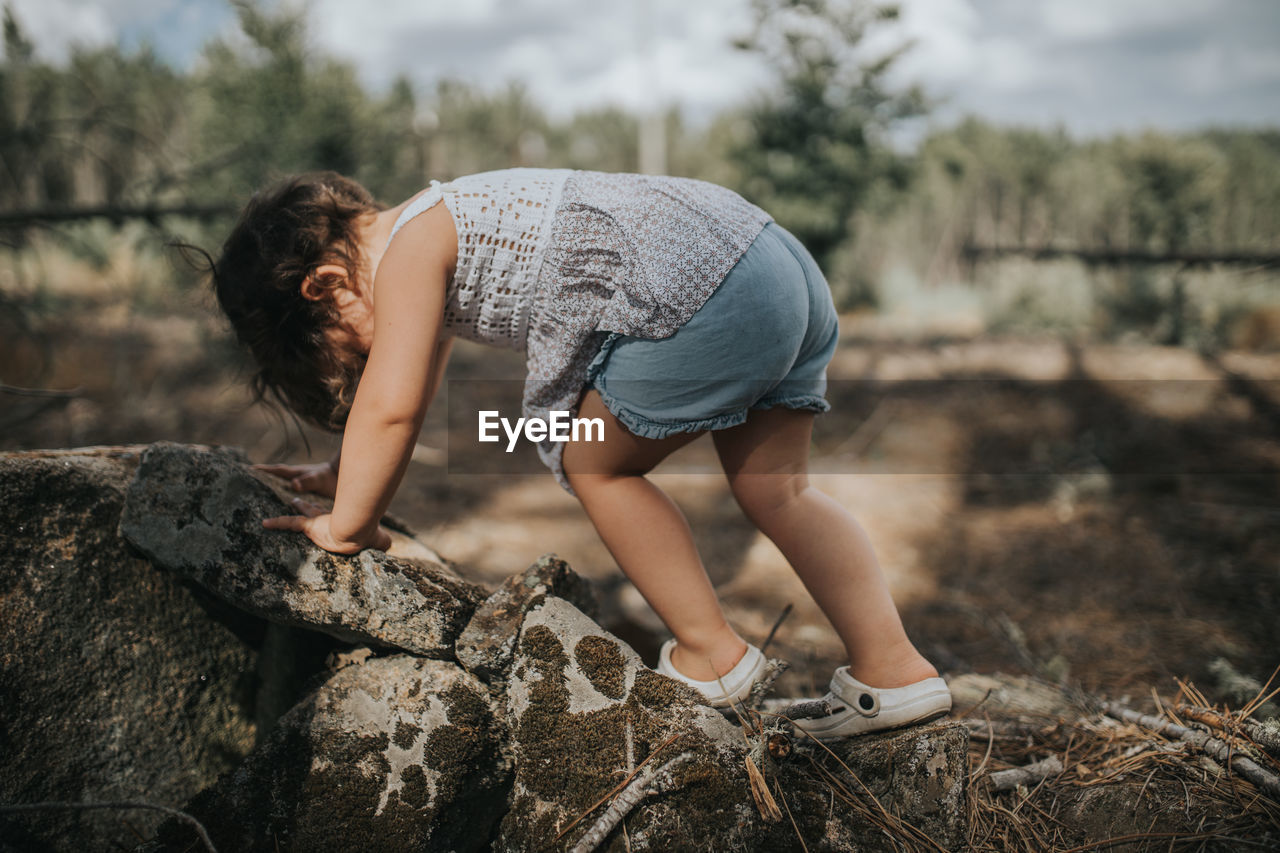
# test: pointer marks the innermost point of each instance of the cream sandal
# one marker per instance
(737, 681)
(857, 708)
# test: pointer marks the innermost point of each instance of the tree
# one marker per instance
(815, 148)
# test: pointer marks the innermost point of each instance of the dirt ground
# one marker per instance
(1102, 516)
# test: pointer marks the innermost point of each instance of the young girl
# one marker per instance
(666, 307)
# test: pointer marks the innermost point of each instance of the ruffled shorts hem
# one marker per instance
(644, 427)
(653, 428)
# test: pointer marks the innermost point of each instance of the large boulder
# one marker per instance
(123, 680)
(117, 680)
(200, 514)
(584, 712)
(393, 754)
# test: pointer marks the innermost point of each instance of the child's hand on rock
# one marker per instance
(314, 522)
(318, 478)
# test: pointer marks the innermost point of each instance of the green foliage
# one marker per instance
(270, 107)
(814, 149)
(99, 130)
(113, 127)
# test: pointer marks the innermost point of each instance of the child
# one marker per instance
(666, 307)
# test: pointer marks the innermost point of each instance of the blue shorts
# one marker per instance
(762, 340)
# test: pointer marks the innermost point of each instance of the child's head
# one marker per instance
(284, 235)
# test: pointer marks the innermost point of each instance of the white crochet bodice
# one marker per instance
(503, 220)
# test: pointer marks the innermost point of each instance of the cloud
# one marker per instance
(571, 53)
(54, 26)
(1093, 65)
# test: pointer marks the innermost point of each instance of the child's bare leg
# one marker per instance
(766, 461)
(651, 541)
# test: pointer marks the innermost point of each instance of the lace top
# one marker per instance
(552, 260)
(503, 220)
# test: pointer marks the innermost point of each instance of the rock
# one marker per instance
(199, 513)
(396, 753)
(918, 774)
(487, 643)
(583, 712)
(102, 695)
(117, 680)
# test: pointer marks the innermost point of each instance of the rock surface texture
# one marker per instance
(117, 681)
(395, 753)
(584, 712)
(488, 642)
(509, 721)
(200, 514)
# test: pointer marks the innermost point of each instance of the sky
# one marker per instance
(1093, 66)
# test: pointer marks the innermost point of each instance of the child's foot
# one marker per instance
(734, 683)
(858, 708)
(897, 687)
(887, 673)
(705, 667)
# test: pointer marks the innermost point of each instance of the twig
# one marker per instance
(773, 668)
(799, 837)
(1007, 780)
(619, 786)
(1226, 723)
(648, 782)
(1266, 782)
(808, 709)
(991, 742)
(777, 623)
(115, 804)
(18, 391)
(760, 793)
(1263, 697)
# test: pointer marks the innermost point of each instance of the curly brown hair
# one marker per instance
(284, 234)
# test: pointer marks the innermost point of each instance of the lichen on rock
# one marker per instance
(584, 712)
(487, 643)
(199, 513)
(384, 755)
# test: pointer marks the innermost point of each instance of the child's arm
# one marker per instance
(321, 478)
(398, 382)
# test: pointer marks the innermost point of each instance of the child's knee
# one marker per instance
(763, 496)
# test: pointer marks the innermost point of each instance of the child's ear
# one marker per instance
(313, 291)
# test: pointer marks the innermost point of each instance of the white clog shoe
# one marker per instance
(857, 708)
(737, 681)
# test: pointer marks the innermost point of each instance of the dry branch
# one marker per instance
(1263, 737)
(128, 804)
(647, 782)
(1007, 780)
(1265, 781)
(760, 793)
(808, 709)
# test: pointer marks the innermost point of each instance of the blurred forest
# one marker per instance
(124, 131)
(1070, 333)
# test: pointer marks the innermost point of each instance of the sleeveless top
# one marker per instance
(551, 261)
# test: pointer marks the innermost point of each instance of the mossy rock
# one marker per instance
(199, 513)
(584, 711)
(396, 753)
